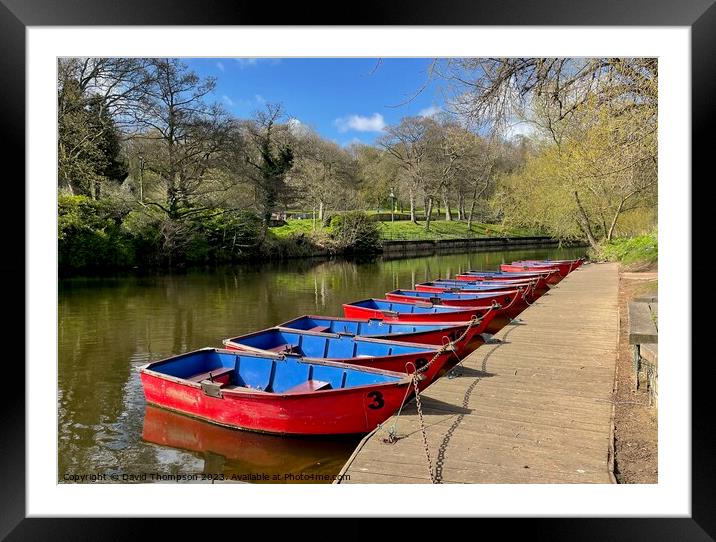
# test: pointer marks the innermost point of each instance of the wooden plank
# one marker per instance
(641, 326)
(535, 408)
(649, 354)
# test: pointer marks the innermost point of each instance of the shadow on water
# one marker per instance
(108, 327)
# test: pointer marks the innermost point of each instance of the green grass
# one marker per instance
(295, 227)
(406, 230)
(442, 229)
(643, 249)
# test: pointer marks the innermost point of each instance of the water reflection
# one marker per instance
(243, 455)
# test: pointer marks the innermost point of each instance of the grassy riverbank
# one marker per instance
(113, 234)
(640, 252)
(406, 230)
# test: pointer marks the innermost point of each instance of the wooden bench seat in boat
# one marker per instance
(309, 386)
(319, 329)
(216, 374)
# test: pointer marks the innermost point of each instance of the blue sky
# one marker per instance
(344, 100)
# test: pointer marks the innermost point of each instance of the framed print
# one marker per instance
(102, 413)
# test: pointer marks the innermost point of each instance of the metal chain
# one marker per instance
(392, 431)
(422, 429)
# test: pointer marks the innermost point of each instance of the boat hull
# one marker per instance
(553, 278)
(564, 268)
(330, 412)
(511, 304)
(422, 333)
(541, 279)
(460, 314)
(438, 337)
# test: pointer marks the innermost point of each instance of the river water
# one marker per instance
(109, 327)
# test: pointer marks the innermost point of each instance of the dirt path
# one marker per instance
(635, 422)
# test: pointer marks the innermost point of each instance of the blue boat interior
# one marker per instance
(358, 327)
(289, 375)
(322, 346)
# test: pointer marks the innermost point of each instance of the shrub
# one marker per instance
(354, 232)
(298, 245)
(90, 234)
(230, 234)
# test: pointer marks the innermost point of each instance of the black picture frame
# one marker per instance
(16, 15)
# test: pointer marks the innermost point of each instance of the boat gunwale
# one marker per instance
(334, 335)
(402, 379)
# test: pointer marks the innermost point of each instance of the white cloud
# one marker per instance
(259, 99)
(297, 128)
(523, 128)
(429, 111)
(374, 123)
(220, 65)
(228, 100)
(253, 62)
(246, 62)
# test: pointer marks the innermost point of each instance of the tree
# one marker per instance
(270, 158)
(408, 144)
(184, 134)
(93, 95)
(595, 121)
(496, 90)
(604, 167)
(324, 173)
(378, 174)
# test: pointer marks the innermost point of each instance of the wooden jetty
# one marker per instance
(534, 408)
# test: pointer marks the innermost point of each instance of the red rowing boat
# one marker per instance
(565, 267)
(395, 311)
(511, 302)
(361, 351)
(553, 277)
(507, 278)
(275, 394)
(434, 333)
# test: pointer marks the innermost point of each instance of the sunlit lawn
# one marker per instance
(406, 230)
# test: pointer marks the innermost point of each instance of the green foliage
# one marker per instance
(229, 234)
(90, 234)
(603, 169)
(354, 232)
(327, 219)
(295, 245)
(643, 249)
(143, 227)
(89, 149)
(106, 234)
